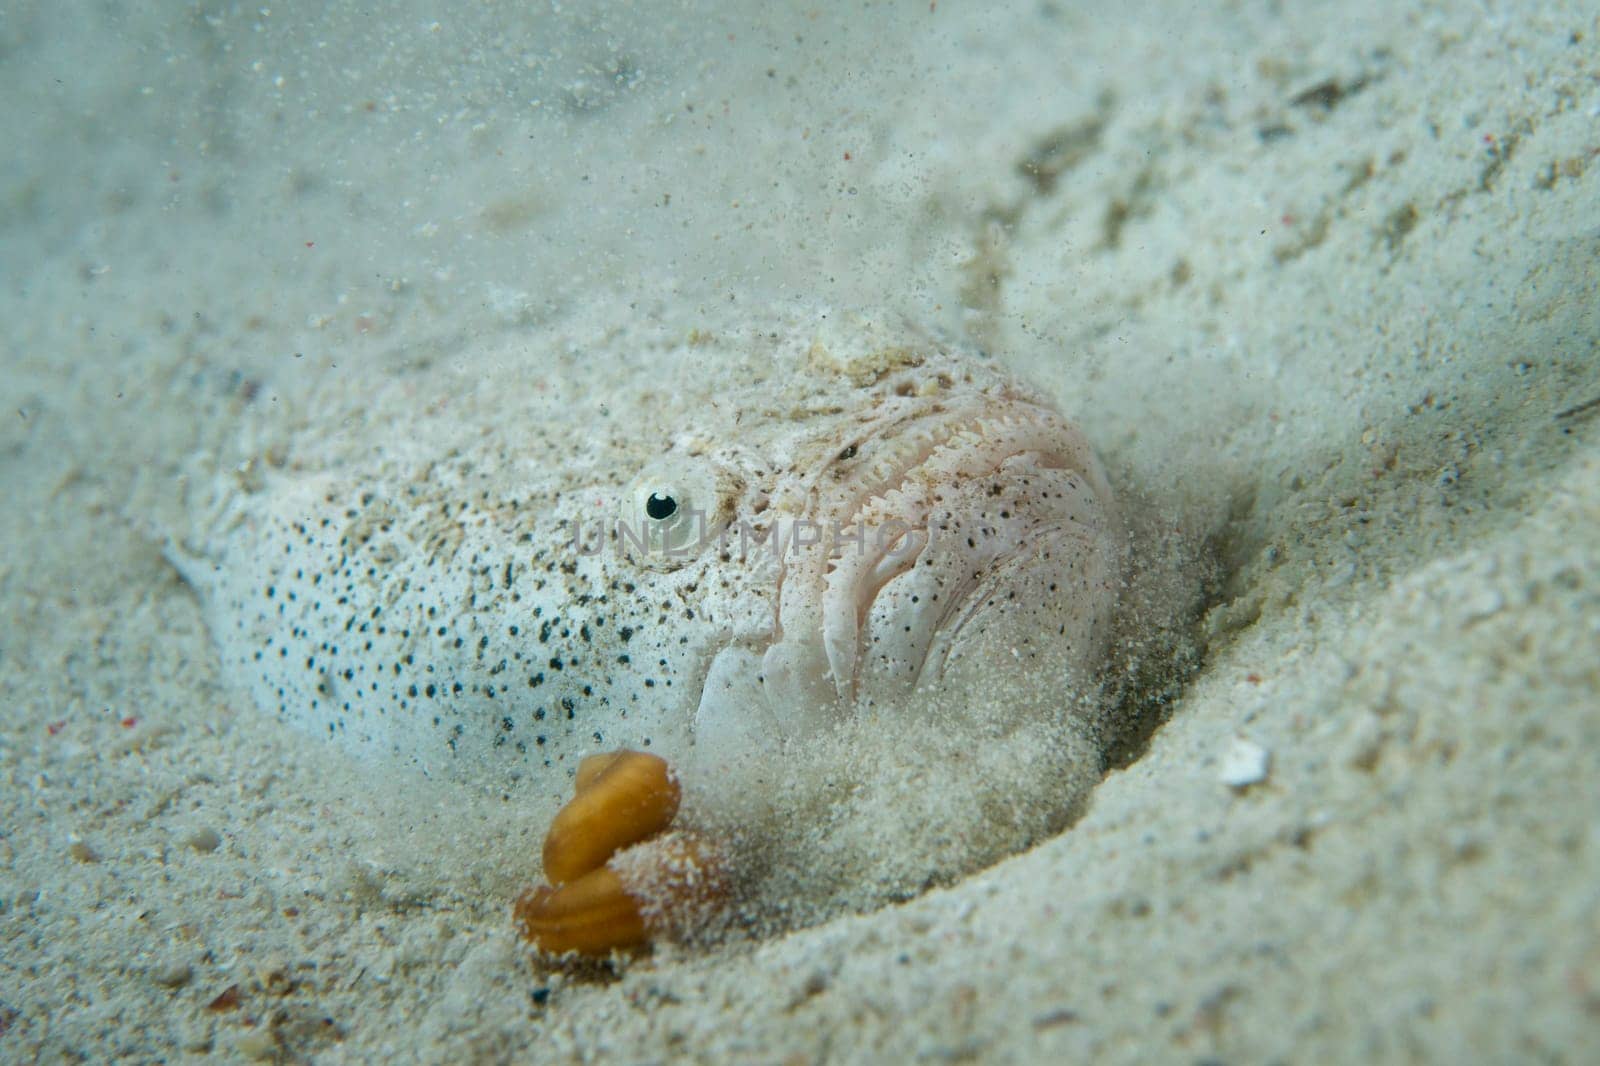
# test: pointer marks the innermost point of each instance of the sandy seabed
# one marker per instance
(1322, 282)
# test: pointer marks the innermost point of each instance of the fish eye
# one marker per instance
(674, 509)
(660, 506)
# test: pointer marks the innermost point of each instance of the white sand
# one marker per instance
(1319, 285)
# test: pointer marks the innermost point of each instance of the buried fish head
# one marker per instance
(949, 526)
(825, 518)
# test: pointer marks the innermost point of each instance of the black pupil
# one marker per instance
(659, 507)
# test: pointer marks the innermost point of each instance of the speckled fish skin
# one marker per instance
(467, 571)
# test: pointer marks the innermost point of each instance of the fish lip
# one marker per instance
(895, 468)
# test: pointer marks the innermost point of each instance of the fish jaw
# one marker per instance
(951, 530)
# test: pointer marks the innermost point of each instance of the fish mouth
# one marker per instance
(943, 533)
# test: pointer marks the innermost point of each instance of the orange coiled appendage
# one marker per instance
(621, 798)
(618, 879)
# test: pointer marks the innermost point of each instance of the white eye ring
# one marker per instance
(675, 511)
